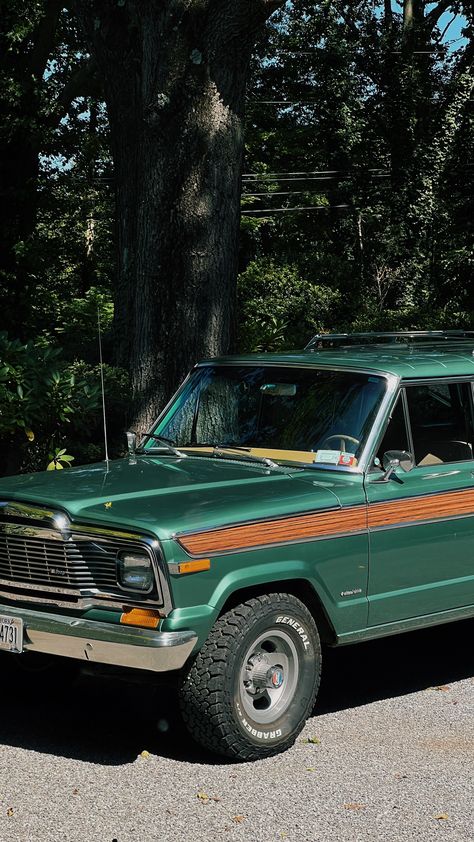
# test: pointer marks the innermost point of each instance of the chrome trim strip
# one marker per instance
(11, 508)
(85, 600)
(408, 430)
(381, 423)
(438, 493)
(48, 586)
(399, 626)
(439, 378)
(80, 604)
(104, 643)
(308, 363)
(14, 509)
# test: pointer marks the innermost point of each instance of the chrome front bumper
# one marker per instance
(103, 643)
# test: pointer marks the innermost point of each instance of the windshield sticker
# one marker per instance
(347, 459)
(335, 457)
(331, 456)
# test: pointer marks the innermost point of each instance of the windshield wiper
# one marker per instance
(220, 450)
(212, 444)
(164, 442)
(239, 451)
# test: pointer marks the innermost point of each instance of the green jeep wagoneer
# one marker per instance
(280, 501)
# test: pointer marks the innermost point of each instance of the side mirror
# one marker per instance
(131, 443)
(396, 459)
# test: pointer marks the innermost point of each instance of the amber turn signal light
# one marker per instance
(145, 617)
(194, 566)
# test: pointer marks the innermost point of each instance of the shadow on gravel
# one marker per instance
(395, 666)
(110, 722)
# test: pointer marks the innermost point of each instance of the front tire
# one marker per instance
(253, 684)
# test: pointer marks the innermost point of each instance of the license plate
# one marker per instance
(11, 634)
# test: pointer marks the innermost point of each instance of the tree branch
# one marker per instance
(43, 39)
(83, 82)
(447, 27)
(432, 18)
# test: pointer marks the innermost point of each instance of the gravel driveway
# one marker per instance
(389, 755)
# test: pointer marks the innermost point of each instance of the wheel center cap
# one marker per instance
(277, 678)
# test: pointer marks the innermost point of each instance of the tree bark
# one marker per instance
(174, 75)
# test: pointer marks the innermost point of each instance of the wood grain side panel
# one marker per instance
(299, 528)
(325, 524)
(433, 507)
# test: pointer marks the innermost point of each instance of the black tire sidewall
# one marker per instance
(302, 631)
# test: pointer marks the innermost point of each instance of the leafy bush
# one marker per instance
(39, 396)
(88, 443)
(280, 309)
(77, 317)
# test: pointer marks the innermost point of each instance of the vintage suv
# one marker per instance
(280, 501)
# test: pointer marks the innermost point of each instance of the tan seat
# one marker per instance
(438, 452)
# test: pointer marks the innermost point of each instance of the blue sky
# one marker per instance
(454, 32)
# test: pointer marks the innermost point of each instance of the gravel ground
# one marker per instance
(392, 760)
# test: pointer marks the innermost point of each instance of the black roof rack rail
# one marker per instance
(407, 337)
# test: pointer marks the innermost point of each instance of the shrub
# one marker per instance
(39, 397)
(280, 309)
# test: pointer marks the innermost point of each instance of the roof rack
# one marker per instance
(407, 337)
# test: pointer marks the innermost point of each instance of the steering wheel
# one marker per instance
(343, 437)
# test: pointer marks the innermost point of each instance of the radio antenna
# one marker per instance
(102, 386)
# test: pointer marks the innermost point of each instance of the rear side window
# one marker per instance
(441, 422)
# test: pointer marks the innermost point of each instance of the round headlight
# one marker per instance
(134, 571)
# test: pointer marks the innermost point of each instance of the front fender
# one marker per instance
(332, 568)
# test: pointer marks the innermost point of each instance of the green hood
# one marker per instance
(167, 494)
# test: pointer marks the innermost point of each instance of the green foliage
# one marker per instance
(37, 391)
(41, 397)
(46, 401)
(279, 308)
(385, 112)
(78, 317)
(59, 460)
(378, 112)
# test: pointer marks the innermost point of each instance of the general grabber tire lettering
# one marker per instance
(253, 684)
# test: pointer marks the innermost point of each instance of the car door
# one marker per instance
(421, 523)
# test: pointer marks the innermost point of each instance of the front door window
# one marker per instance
(421, 523)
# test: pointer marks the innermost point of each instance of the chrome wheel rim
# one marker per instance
(269, 676)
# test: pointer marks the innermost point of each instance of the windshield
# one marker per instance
(292, 414)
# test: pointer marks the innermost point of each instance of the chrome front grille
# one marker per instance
(42, 564)
(77, 565)
(47, 559)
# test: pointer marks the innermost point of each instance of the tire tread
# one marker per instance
(203, 690)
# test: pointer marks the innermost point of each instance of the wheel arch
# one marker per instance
(300, 588)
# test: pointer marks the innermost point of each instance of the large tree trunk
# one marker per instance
(175, 74)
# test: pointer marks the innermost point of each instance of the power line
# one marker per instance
(307, 178)
(302, 172)
(291, 210)
(311, 172)
(287, 193)
(284, 102)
